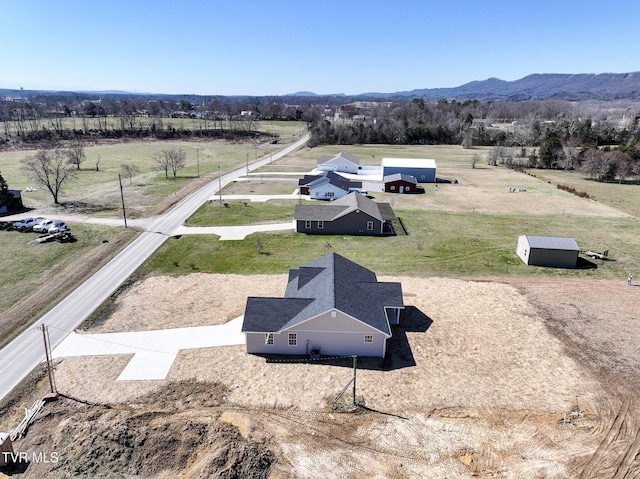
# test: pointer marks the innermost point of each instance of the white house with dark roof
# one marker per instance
(327, 186)
(552, 251)
(342, 162)
(332, 305)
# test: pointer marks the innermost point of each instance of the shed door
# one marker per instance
(401, 189)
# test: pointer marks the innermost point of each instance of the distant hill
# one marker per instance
(540, 86)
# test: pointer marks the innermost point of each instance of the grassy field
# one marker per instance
(239, 212)
(98, 192)
(438, 244)
(466, 229)
(625, 197)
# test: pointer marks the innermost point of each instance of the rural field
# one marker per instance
(496, 369)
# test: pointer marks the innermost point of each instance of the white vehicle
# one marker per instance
(57, 227)
(27, 223)
(43, 226)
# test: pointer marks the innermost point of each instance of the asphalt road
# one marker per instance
(24, 353)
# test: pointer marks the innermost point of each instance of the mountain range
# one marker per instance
(539, 86)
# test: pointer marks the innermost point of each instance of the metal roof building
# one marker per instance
(422, 169)
(552, 251)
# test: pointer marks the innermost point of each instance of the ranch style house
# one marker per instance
(331, 305)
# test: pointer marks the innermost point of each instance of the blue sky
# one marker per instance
(253, 47)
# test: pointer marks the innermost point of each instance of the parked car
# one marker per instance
(57, 227)
(43, 226)
(25, 224)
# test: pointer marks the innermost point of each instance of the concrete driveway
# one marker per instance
(153, 351)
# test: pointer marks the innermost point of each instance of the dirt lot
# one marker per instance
(525, 378)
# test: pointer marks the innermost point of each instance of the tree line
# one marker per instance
(541, 134)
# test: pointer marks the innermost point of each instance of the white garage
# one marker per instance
(552, 251)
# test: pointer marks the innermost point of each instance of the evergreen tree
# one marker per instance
(6, 198)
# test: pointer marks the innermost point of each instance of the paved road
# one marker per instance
(23, 354)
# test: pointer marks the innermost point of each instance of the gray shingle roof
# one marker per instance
(329, 282)
(346, 156)
(344, 206)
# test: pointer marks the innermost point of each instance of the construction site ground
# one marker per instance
(492, 377)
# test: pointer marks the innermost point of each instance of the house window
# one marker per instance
(307, 224)
(368, 338)
(369, 225)
(333, 314)
(393, 188)
(320, 225)
(407, 188)
(293, 339)
(268, 339)
(329, 194)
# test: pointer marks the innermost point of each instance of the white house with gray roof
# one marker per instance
(332, 305)
(342, 162)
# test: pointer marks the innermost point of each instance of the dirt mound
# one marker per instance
(173, 431)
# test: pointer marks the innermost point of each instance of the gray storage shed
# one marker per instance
(552, 251)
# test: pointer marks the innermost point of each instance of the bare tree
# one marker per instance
(75, 154)
(467, 139)
(50, 169)
(474, 160)
(129, 171)
(171, 159)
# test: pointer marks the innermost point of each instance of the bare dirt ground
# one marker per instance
(484, 378)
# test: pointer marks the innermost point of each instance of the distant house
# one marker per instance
(400, 183)
(422, 170)
(353, 214)
(342, 162)
(555, 252)
(331, 305)
(327, 186)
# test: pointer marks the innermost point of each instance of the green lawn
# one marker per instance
(439, 243)
(625, 197)
(467, 229)
(239, 212)
(24, 267)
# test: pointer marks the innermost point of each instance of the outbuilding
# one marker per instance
(551, 251)
(400, 183)
(423, 170)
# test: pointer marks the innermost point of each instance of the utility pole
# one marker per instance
(219, 184)
(124, 212)
(47, 352)
(355, 368)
